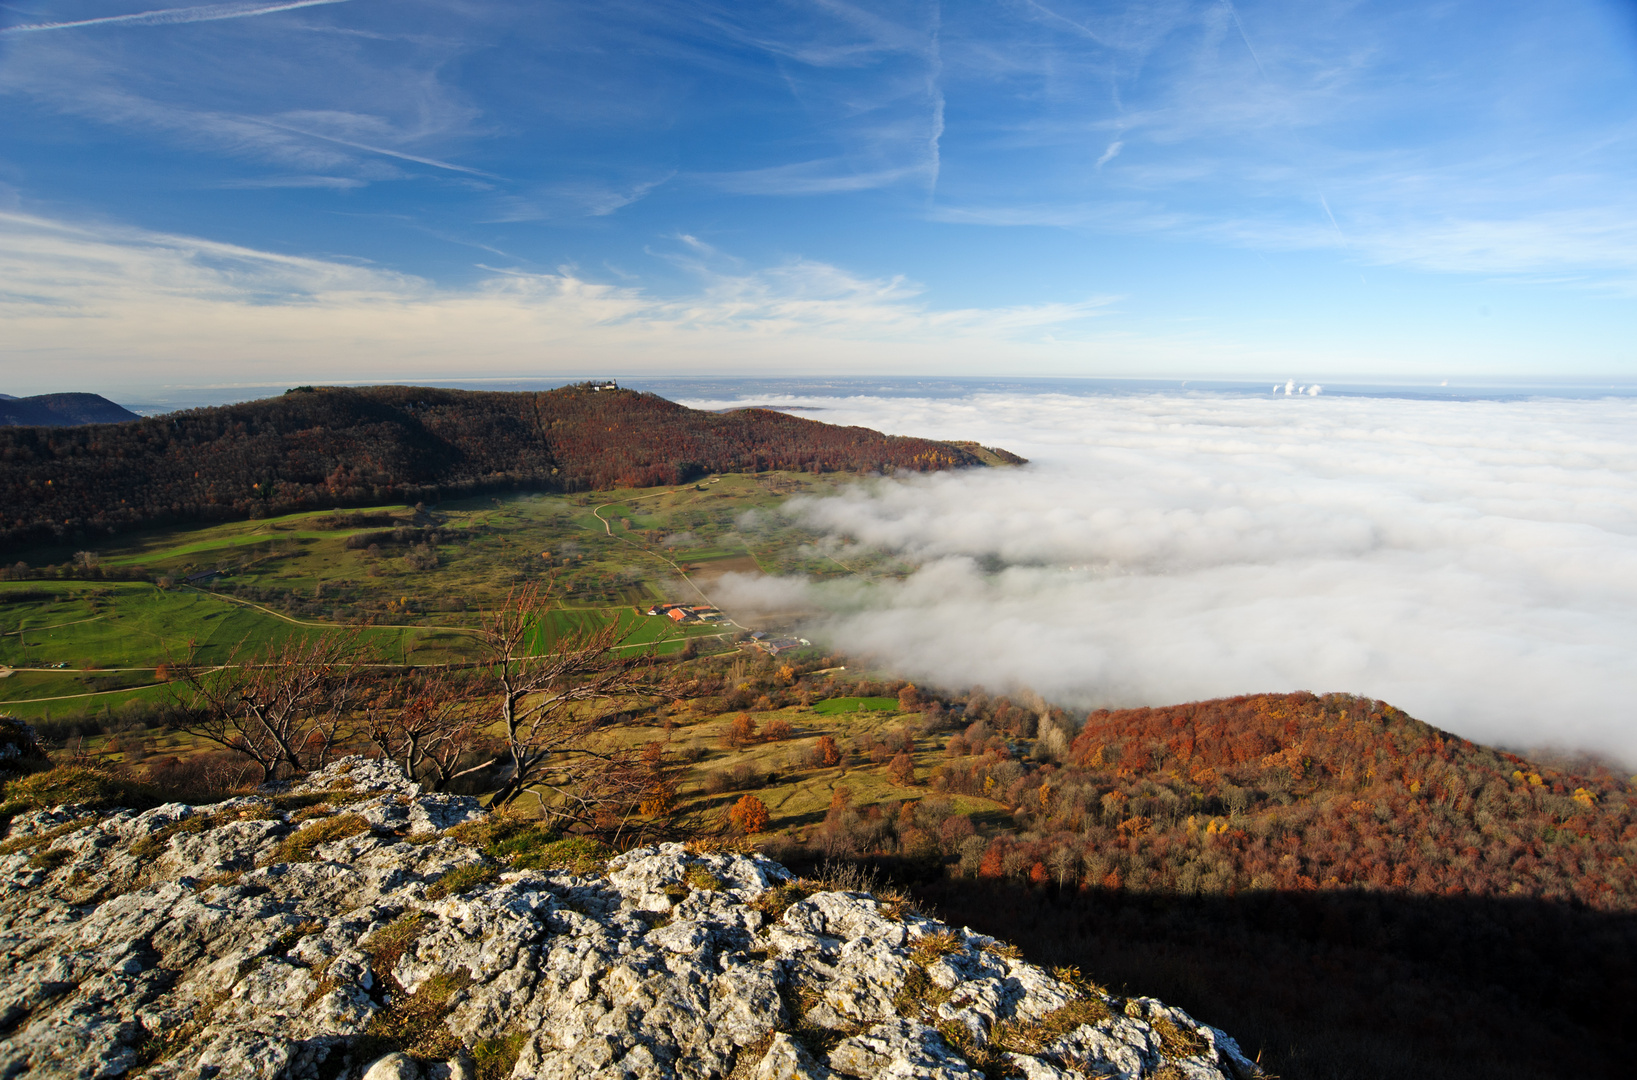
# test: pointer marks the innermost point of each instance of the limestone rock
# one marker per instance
(394, 1066)
(184, 943)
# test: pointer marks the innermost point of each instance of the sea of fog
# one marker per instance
(1471, 558)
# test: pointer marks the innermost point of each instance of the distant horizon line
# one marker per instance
(176, 396)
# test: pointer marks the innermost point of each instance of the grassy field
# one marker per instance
(421, 578)
(856, 704)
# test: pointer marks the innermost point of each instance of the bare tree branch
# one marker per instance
(433, 724)
(284, 710)
(551, 704)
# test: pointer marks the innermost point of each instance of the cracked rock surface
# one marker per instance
(308, 935)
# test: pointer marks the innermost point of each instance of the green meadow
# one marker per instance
(419, 579)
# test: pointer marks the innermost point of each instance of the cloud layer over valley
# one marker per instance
(1472, 562)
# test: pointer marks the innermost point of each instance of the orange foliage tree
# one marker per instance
(829, 752)
(749, 815)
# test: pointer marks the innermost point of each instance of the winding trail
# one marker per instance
(31, 629)
(596, 512)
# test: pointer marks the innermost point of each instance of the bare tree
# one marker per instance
(284, 709)
(551, 704)
(433, 725)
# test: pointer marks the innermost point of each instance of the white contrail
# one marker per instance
(369, 148)
(167, 16)
(1245, 37)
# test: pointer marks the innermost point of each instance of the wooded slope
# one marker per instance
(61, 410)
(335, 447)
(1299, 792)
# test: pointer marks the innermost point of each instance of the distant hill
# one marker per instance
(61, 410)
(333, 447)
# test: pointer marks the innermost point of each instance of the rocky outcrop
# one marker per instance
(358, 927)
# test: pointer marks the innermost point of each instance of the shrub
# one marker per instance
(777, 730)
(902, 770)
(20, 751)
(749, 815)
(207, 777)
(829, 754)
(917, 843)
(742, 730)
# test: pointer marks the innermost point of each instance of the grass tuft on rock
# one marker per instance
(1034, 1036)
(523, 843)
(41, 839)
(1175, 1042)
(414, 1023)
(462, 879)
(154, 844)
(89, 786)
(927, 949)
(774, 902)
(703, 880)
(495, 1058)
(300, 845)
(386, 946)
(576, 854)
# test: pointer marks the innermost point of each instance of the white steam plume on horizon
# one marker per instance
(1474, 563)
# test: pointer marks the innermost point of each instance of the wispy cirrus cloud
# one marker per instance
(1262, 125)
(870, 81)
(173, 16)
(306, 105)
(826, 177)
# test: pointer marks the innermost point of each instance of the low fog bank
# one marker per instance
(1472, 562)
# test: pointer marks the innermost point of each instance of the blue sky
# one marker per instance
(253, 191)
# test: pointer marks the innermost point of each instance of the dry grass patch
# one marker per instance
(703, 880)
(522, 843)
(414, 1023)
(495, 1058)
(462, 879)
(300, 845)
(1175, 1042)
(89, 786)
(41, 839)
(228, 877)
(387, 945)
(50, 859)
(154, 844)
(774, 902)
(926, 950)
(986, 1058)
(1034, 1036)
(918, 994)
(750, 1056)
(1003, 948)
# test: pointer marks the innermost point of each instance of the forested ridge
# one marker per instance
(1291, 792)
(1360, 893)
(61, 410)
(333, 447)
